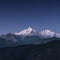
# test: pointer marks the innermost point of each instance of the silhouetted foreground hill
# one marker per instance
(48, 51)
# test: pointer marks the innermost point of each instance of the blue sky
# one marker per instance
(16, 15)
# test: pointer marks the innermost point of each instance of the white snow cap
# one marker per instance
(58, 35)
(47, 33)
(28, 31)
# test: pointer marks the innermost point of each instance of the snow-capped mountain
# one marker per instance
(27, 32)
(57, 35)
(30, 36)
(30, 32)
(47, 33)
(44, 33)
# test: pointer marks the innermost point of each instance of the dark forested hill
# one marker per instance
(48, 51)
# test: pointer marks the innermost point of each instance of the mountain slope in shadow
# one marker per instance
(48, 51)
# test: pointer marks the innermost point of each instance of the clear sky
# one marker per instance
(16, 15)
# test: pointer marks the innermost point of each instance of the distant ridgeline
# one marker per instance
(28, 36)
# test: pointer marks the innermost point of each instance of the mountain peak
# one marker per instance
(47, 33)
(26, 32)
(29, 29)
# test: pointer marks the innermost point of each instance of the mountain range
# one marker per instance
(28, 36)
(44, 33)
(30, 44)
